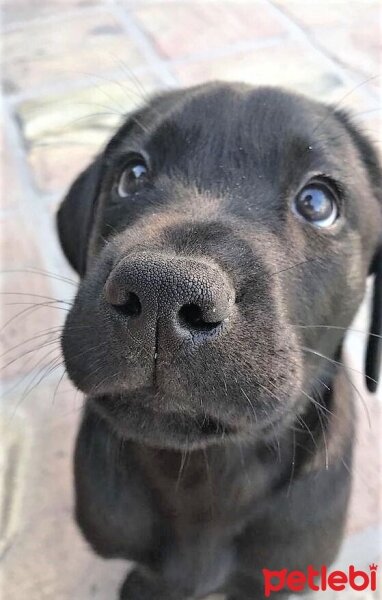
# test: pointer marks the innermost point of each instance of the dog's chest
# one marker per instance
(196, 552)
(191, 492)
(200, 506)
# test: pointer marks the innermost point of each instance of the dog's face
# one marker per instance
(220, 224)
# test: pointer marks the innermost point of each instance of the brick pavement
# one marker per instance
(71, 69)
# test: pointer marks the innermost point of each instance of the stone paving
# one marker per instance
(71, 69)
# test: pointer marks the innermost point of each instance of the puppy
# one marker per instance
(223, 239)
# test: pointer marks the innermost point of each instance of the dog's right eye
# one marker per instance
(132, 177)
(317, 204)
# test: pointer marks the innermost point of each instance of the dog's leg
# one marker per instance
(257, 595)
(245, 587)
(141, 585)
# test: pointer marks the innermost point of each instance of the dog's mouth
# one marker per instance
(138, 420)
(211, 426)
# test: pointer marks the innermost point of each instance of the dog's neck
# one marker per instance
(226, 478)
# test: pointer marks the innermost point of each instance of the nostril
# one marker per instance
(191, 317)
(131, 307)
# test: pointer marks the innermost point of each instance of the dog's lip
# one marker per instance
(210, 426)
(206, 425)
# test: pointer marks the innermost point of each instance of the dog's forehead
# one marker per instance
(218, 127)
(225, 135)
(238, 114)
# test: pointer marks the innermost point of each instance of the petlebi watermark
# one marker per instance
(320, 580)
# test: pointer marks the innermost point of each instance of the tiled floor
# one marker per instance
(71, 69)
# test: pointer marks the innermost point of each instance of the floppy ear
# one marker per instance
(76, 213)
(372, 164)
(374, 345)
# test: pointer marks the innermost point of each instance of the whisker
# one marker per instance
(31, 295)
(209, 479)
(29, 372)
(339, 328)
(249, 402)
(316, 403)
(32, 309)
(43, 273)
(43, 372)
(299, 264)
(293, 464)
(31, 387)
(336, 362)
(319, 407)
(363, 402)
(35, 349)
(181, 469)
(301, 420)
(47, 303)
(48, 332)
(140, 93)
(332, 109)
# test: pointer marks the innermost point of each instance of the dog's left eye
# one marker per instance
(317, 204)
(133, 176)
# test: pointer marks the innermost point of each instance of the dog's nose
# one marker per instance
(183, 295)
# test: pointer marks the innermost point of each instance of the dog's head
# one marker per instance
(223, 239)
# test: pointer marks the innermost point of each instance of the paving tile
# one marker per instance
(372, 127)
(209, 25)
(67, 50)
(40, 523)
(364, 510)
(63, 133)
(166, 4)
(367, 490)
(21, 291)
(357, 47)
(328, 13)
(291, 65)
(46, 557)
(350, 32)
(15, 11)
(14, 445)
(11, 192)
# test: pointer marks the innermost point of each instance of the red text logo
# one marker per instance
(319, 580)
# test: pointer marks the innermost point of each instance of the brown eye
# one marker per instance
(133, 176)
(317, 205)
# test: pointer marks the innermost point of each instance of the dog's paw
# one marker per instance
(142, 586)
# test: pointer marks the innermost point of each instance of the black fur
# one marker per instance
(211, 450)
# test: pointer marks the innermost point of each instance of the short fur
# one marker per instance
(205, 458)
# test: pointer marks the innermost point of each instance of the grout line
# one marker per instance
(230, 50)
(35, 212)
(18, 146)
(144, 43)
(12, 386)
(163, 67)
(56, 18)
(334, 60)
(156, 64)
(63, 88)
(349, 75)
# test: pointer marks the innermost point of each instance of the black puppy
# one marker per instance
(223, 239)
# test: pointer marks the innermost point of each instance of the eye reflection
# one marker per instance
(133, 176)
(317, 205)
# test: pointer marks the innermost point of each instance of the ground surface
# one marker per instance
(70, 69)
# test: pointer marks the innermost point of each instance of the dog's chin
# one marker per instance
(136, 420)
(133, 420)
